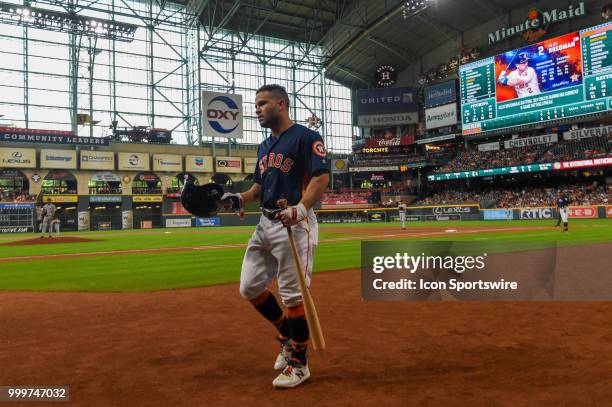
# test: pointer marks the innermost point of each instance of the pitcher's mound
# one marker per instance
(48, 240)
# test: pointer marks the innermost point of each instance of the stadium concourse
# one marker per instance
(445, 122)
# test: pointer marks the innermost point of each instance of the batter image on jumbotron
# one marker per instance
(559, 78)
(541, 67)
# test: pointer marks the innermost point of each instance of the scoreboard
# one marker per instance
(566, 76)
(16, 217)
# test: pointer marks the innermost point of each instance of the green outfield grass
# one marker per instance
(196, 267)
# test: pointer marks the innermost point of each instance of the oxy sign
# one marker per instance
(222, 115)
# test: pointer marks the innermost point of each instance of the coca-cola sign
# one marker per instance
(390, 142)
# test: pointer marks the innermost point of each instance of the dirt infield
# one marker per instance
(47, 240)
(208, 347)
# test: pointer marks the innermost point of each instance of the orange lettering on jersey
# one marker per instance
(287, 164)
(279, 160)
(271, 160)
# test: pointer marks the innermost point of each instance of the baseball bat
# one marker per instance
(512, 60)
(316, 334)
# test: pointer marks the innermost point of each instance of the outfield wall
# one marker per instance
(21, 217)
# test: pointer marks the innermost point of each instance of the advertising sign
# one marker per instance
(167, 162)
(559, 78)
(198, 163)
(376, 216)
(215, 221)
(494, 146)
(531, 141)
(83, 221)
(595, 162)
(178, 223)
(442, 217)
(436, 138)
(228, 165)
(105, 198)
(249, 165)
(222, 115)
(63, 198)
(608, 211)
(440, 94)
(17, 157)
(36, 136)
(387, 107)
(577, 134)
(147, 198)
(134, 161)
(127, 219)
(583, 212)
(106, 177)
(64, 159)
(536, 213)
(497, 214)
(340, 166)
(441, 116)
(97, 160)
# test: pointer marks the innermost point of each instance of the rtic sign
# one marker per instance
(608, 211)
(536, 213)
(222, 115)
(583, 212)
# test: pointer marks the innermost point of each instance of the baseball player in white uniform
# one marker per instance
(401, 207)
(291, 165)
(524, 78)
(564, 212)
(48, 215)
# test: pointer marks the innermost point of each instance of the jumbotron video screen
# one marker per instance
(559, 78)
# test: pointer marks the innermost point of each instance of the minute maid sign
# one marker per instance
(536, 23)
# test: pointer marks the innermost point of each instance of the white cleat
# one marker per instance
(283, 356)
(294, 374)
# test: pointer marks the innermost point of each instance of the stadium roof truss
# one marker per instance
(151, 72)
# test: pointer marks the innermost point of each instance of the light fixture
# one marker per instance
(412, 7)
(64, 22)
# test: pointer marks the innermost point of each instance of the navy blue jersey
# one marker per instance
(562, 202)
(285, 164)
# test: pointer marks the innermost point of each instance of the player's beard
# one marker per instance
(271, 121)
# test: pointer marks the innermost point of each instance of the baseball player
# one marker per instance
(401, 207)
(563, 208)
(291, 164)
(524, 78)
(48, 215)
(55, 224)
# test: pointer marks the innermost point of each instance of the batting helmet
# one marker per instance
(201, 201)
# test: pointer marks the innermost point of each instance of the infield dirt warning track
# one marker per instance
(207, 346)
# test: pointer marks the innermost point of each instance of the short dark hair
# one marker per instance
(279, 91)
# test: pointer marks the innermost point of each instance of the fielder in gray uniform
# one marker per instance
(401, 207)
(48, 215)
